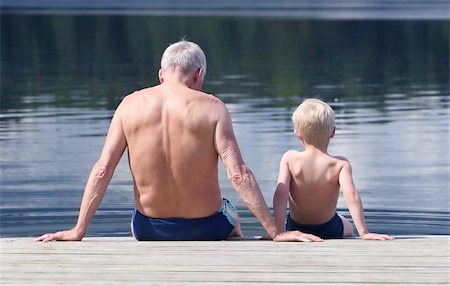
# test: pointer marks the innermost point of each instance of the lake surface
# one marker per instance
(63, 75)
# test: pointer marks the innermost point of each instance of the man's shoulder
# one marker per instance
(136, 97)
(209, 97)
(212, 104)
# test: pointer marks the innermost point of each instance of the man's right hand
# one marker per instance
(296, 236)
(67, 235)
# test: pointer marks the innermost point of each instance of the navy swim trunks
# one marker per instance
(216, 227)
(334, 228)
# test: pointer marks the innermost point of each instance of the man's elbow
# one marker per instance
(102, 171)
(240, 175)
(236, 176)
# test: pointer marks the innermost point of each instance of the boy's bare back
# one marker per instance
(310, 181)
(314, 187)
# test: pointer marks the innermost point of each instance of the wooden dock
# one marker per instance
(124, 261)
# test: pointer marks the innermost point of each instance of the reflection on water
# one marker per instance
(299, 9)
(62, 77)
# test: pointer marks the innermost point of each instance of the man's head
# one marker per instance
(314, 121)
(184, 57)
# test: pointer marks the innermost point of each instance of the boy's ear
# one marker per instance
(298, 134)
(161, 76)
(334, 132)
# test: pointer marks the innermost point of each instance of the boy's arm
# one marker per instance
(281, 196)
(354, 204)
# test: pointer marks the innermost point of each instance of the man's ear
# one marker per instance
(160, 75)
(199, 75)
(198, 79)
(334, 132)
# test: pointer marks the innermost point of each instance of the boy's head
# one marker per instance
(314, 121)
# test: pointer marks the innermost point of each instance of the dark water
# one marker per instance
(298, 9)
(388, 81)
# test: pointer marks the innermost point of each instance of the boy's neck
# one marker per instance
(323, 147)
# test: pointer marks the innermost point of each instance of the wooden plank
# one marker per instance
(114, 261)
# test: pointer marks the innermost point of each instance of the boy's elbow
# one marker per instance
(281, 193)
(352, 197)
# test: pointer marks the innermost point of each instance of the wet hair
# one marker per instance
(314, 120)
(185, 56)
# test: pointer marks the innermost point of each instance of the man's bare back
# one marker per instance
(170, 132)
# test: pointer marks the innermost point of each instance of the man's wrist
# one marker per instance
(272, 231)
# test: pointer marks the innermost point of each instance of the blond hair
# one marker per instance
(184, 56)
(314, 120)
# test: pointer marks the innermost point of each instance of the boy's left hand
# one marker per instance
(376, 236)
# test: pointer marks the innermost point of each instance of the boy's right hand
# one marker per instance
(296, 236)
(376, 236)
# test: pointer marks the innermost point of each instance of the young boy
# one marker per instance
(311, 180)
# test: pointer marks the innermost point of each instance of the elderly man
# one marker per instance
(175, 134)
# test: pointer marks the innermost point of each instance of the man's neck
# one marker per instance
(175, 78)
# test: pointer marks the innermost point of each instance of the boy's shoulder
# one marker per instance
(343, 162)
(341, 158)
(291, 157)
(291, 154)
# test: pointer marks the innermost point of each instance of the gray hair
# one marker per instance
(314, 119)
(185, 56)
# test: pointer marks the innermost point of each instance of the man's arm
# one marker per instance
(281, 196)
(97, 183)
(354, 204)
(245, 183)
